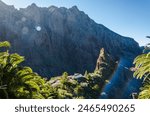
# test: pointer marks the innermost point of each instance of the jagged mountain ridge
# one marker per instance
(67, 41)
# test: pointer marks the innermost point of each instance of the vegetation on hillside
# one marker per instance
(85, 86)
(20, 82)
(17, 81)
(142, 65)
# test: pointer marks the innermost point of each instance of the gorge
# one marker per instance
(54, 40)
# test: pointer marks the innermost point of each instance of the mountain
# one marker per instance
(54, 40)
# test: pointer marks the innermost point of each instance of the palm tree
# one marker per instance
(142, 65)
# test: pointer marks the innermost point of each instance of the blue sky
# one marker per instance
(126, 17)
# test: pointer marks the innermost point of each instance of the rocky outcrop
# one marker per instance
(105, 65)
(104, 58)
(54, 40)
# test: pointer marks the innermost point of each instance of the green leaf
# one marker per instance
(5, 44)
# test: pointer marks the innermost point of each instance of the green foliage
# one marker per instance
(142, 66)
(21, 82)
(94, 81)
(64, 94)
(145, 90)
(4, 44)
(88, 86)
(66, 87)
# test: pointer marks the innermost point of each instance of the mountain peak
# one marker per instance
(52, 8)
(33, 6)
(5, 6)
(74, 8)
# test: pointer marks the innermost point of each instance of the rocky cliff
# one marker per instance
(54, 40)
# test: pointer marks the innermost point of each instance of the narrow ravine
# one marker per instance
(122, 84)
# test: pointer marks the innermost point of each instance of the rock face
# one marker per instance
(54, 40)
(106, 65)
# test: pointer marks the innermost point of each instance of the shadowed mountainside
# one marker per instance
(54, 40)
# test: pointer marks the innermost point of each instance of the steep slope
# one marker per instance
(122, 84)
(55, 40)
